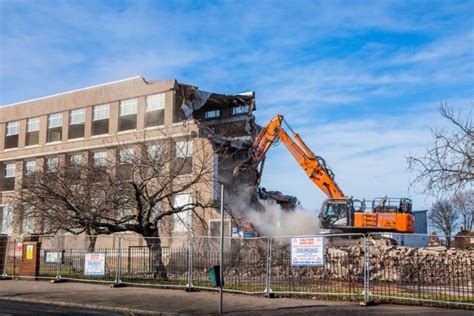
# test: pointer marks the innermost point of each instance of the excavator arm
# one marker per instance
(314, 166)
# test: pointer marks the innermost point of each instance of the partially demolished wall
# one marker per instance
(228, 121)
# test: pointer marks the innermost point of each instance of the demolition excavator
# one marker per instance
(340, 213)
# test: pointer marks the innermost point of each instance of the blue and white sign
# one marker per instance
(94, 264)
(307, 251)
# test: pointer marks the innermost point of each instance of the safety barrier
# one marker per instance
(380, 267)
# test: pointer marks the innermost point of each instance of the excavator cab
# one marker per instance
(337, 213)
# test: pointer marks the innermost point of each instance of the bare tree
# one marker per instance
(463, 204)
(443, 218)
(73, 198)
(448, 165)
(134, 192)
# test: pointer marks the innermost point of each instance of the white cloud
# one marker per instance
(368, 157)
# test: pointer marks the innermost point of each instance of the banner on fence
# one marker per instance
(53, 256)
(307, 251)
(94, 264)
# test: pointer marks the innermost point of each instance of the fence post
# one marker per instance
(367, 301)
(59, 260)
(189, 286)
(268, 283)
(5, 261)
(118, 265)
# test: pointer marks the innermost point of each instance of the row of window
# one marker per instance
(216, 113)
(155, 106)
(183, 149)
(181, 221)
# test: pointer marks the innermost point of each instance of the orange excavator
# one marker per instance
(340, 212)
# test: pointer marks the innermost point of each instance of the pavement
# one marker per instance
(19, 297)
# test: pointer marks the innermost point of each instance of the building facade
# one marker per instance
(84, 125)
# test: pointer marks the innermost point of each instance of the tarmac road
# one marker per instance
(42, 298)
(28, 308)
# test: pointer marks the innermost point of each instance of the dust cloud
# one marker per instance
(274, 221)
(269, 218)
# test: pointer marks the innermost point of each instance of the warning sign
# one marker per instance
(94, 264)
(19, 249)
(29, 252)
(307, 251)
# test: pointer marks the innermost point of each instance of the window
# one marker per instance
(212, 114)
(125, 210)
(100, 119)
(155, 211)
(77, 119)
(8, 181)
(184, 160)
(99, 158)
(182, 220)
(155, 110)
(75, 159)
(55, 127)
(11, 134)
(184, 149)
(153, 151)
(30, 167)
(126, 155)
(128, 115)
(52, 163)
(27, 221)
(240, 109)
(9, 171)
(6, 215)
(32, 131)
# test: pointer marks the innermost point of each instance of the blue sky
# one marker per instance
(360, 82)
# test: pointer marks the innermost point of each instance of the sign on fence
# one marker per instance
(307, 251)
(29, 252)
(53, 256)
(94, 264)
(19, 249)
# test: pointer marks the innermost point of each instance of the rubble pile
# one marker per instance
(433, 265)
(388, 262)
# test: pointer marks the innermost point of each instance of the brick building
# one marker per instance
(84, 125)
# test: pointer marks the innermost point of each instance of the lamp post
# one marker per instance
(221, 265)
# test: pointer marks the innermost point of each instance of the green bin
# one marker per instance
(215, 276)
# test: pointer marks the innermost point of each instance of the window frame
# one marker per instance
(27, 167)
(5, 170)
(77, 112)
(96, 159)
(212, 114)
(17, 127)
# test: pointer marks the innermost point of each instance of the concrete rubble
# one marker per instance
(345, 263)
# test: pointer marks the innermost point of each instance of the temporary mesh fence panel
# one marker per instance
(342, 272)
(14, 250)
(93, 258)
(421, 267)
(48, 251)
(4, 241)
(245, 262)
(154, 261)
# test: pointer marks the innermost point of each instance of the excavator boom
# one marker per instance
(314, 166)
(338, 211)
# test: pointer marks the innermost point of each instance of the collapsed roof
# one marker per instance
(193, 99)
